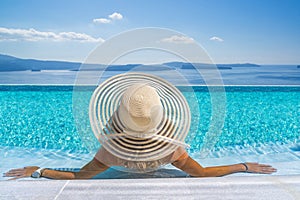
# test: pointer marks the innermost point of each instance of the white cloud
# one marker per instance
(178, 39)
(10, 34)
(102, 21)
(112, 17)
(115, 16)
(218, 39)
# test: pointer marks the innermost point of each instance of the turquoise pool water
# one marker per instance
(262, 124)
(41, 117)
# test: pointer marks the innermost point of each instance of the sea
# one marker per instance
(263, 75)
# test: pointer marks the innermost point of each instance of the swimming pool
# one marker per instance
(37, 126)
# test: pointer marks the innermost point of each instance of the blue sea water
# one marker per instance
(264, 75)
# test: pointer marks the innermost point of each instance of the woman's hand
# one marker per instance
(260, 168)
(21, 172)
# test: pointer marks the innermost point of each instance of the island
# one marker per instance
(11, 63)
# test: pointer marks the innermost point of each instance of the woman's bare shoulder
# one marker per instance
(105, 157)
(178, 154)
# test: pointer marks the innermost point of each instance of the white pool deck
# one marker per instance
(230, 187)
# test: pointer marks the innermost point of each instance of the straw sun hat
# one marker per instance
(139, 117)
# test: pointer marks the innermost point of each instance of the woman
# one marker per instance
(146, 130)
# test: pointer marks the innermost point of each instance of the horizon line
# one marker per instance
(74, 61)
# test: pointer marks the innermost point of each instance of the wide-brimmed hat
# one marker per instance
(139, 117)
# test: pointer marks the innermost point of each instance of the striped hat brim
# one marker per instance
(171, 132)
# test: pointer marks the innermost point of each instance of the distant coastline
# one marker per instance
(10, 63)
(37, 72)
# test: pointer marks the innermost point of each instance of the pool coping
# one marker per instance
(201, 85)
(235, 187)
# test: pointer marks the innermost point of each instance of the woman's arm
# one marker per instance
(90, 170)
(193, 168)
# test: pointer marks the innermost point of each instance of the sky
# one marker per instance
(231, 31)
